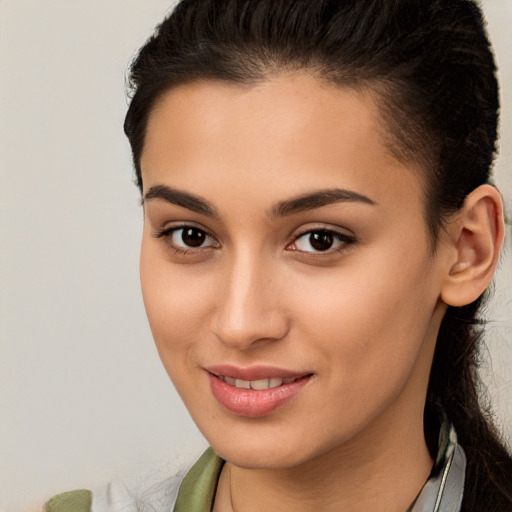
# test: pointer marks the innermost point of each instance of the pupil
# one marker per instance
(321, 241)
(193, 237)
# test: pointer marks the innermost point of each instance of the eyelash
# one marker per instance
(167, 234)
(343, 239)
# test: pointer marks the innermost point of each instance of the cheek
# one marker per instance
(177, 303)
(368, 322)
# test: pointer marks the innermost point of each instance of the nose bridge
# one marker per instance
(248, 309)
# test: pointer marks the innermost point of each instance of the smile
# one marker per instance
(259, 384)
(255, 395)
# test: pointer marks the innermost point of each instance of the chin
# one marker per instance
(267, 446)
(261, 456)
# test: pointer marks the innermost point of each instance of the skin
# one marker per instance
(361, 317)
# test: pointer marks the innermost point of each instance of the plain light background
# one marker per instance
(83, 397)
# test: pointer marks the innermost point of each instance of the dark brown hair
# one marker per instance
(430, 65)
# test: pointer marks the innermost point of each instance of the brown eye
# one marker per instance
(321, 241)
(193, 237)
(187, 238)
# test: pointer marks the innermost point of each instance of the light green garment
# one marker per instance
(196, 493)
(198, 489)
(73, 501)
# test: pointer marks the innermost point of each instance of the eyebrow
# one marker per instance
(180, 198)
(317, 199)
(301, 203)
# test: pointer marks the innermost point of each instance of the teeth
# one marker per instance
(243, 384)
(273, 383)
(259, 384)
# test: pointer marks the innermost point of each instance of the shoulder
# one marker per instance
(130, 495)
(155, 488)
(116, 496)
(73, 501)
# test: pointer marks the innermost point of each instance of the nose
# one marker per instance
(250, 307)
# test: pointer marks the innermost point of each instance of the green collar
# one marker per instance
(198, 489)
(72, 501)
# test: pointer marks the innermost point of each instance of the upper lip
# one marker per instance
(253, 372)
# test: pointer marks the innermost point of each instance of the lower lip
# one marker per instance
(253, 403)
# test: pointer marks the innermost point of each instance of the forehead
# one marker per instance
(290, 132)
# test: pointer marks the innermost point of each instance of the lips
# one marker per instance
(254, 392)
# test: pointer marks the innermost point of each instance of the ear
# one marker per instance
(475, 240)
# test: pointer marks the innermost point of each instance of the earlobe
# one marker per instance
(476, 238)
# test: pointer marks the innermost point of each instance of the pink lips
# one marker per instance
(254, 403)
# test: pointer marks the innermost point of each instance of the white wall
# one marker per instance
(83, 397)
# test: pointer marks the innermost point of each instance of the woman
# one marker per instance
(319, 234)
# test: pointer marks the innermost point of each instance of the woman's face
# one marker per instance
(285, 251)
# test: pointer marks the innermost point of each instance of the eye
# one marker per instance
(321, 240)
(187, 238)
